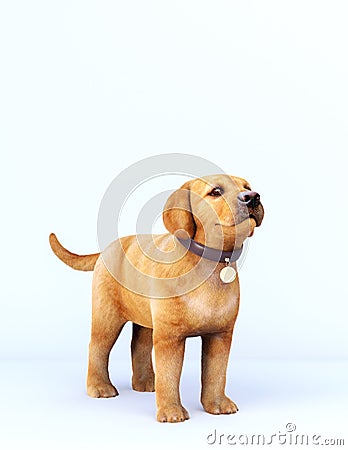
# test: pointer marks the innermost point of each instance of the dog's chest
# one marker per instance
(211, 310)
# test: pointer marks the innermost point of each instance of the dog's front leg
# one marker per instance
(169, 355)
(215, 353)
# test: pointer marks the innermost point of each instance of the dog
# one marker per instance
(171, 287)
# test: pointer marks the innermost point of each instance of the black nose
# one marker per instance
(249, 198)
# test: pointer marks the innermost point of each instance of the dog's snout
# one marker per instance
(249, 198)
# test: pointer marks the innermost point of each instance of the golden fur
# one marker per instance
(165, 313)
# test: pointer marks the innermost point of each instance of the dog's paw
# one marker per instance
(222, 405)
(144, 385)
(172, 413)
(101, 390)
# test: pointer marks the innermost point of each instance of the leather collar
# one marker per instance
(212, 254)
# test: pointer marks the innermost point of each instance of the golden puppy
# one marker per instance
(173, 286)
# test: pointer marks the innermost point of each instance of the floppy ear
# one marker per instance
(177, 214)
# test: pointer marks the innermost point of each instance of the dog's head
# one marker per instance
(218, 210)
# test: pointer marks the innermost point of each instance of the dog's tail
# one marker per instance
(78, 262)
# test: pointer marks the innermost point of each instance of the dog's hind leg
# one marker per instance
(107, 324)
(143, 379)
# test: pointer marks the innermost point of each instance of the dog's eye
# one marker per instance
(216, 192)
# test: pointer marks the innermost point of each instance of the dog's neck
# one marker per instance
(210, 253)
(218, 241)
(226, 238)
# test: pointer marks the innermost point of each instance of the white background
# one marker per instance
(259, 88)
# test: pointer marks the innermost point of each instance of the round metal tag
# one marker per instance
(227, 274)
